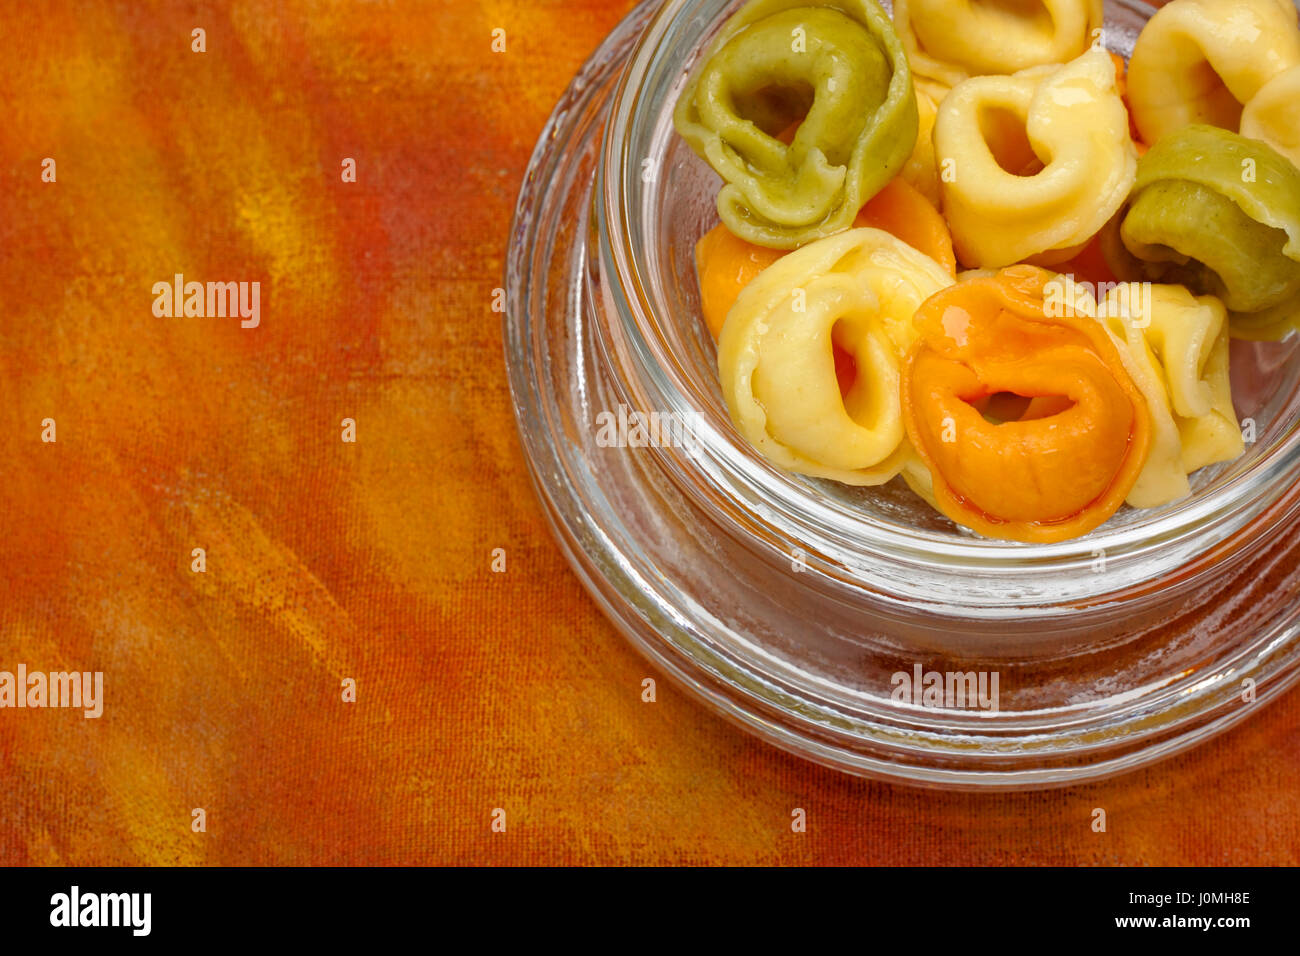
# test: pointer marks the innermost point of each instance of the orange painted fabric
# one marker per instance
(475, 690)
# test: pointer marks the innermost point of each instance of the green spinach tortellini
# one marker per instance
(1220, 214)
(835, 67)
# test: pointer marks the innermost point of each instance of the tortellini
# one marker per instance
(1273, 115)
(951, 40)
(1202, 61)
(1175, 347)
(1025, 415)
(857, 290)
(1013, 365)
(936, 182)
(835, 65)
(1033, 164)
(922, 168)
(1220, 214)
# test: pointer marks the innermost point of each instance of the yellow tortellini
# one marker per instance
(922, 169)
(1203, 61)
(857, 290)
(917, 477)
(1273, 115)
(951, 40)
(1033, 165)
(1175, 348)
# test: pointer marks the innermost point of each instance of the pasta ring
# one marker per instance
(857, 290)
(836, 65)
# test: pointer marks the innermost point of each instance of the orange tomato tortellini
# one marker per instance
(726, 264)
(1028, 422)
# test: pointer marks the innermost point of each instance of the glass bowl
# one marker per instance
(815, 615)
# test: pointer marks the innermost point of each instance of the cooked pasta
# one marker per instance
(1273, 115)
(1220, 214)
(1036, 163)
(1072, 436)
(951, 40)
(1175, 347)
(893, 286)
(858, 291)
(726, 263)
(1202, 61)
(922, 169)
(835, 65)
